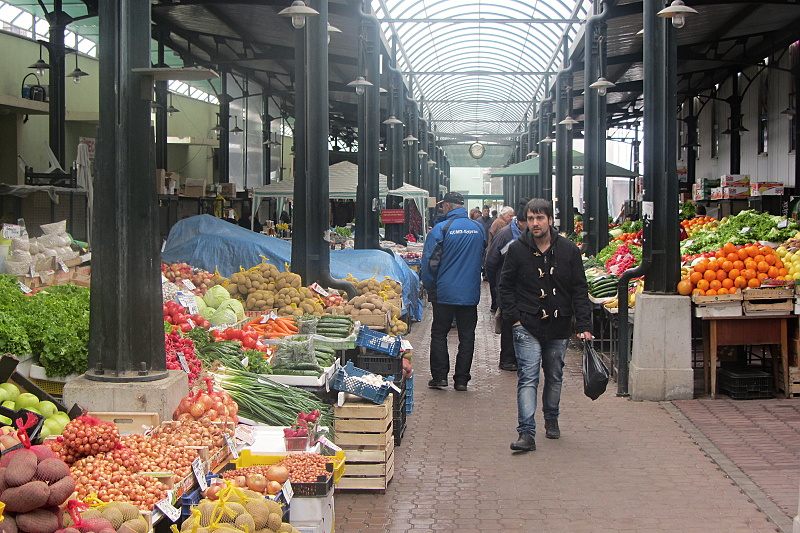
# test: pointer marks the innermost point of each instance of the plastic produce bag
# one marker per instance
(595, 372)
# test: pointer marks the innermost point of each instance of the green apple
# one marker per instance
(11, 389)
(45, 432)
(62, 418)
(5, 421)
(47, 408)
(53, 426)
(32, 409)
(9, 404)
(26, 400)
(4, 395)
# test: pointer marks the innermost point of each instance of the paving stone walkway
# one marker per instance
(619, 465)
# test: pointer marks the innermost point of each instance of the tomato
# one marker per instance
(168, 319)
(185, 327)
(249, 343)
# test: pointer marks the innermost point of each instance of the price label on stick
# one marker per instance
(63, 266)
(328, 444)
(745, 230)
(288, 492)
(231, 446)
(199, 473)
(182, 361)
(783, 223)
(188, 284)
(168, 509)
(24, 288)
(244, 434)
(187, 300)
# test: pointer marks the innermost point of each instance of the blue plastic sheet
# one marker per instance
(207, 242)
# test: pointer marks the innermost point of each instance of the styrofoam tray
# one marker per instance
(305, 381)
(38, 372)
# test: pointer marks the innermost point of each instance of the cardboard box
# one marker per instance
(707, 183)
(735, 180)
(194, 187)
(735, 192)
(724, 309)
(700, 193)
(717, 193)
(161, 175)
(766, 188)
(228, 190)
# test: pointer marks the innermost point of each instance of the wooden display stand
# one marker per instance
(364, 431)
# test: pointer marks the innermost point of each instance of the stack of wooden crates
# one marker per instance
(364, 430)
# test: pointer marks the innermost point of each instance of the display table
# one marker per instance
(743, 331)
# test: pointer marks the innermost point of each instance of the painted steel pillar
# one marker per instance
(126, 333)
(223, 169)
(300, 207)
(58, 20)
(162, 92)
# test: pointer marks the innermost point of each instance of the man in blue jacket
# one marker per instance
(454, 288)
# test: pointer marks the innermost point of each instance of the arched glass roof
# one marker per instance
(477, 65)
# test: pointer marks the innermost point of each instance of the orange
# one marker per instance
(762, 275)
(738, 264)
(752, 265)
(721, 274)
(703, 284)
(700, 266)
(699, 292)
(758, 258)
(729, 247)
(774, 272)
(783, 272)
(734, 273)
(711, 292)
(732, 257)
(716, 284)
(767, 250)
(727, 283)
(752, 251)
(754, 282)
(727, 266)
(694, 277)
(722, 290)
(779, 263)
(749, 273)
(719, 254)
(712, 265)
(742, 253)
(684, 287)
(709, 275)
(770, 258)
(763, 266)
(739, 283)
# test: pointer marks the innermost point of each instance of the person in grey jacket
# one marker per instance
(542, 289)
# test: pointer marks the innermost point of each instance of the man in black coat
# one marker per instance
(542, 289)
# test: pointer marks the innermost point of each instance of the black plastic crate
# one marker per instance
(399, 430)
(378, 363)
(745, 383)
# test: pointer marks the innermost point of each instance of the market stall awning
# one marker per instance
(531, 167)
(343, 178)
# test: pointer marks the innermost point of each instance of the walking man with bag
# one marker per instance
(451, 274)
(542, 289)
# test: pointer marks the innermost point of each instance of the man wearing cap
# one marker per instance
(453, 283)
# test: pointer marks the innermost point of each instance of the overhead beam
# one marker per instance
(479, 20)
(476, 73)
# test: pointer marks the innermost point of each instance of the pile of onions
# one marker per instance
(194, 433)
(305, 467)
(102, 475)
(88, 436)
(207, 405)
(160, 455)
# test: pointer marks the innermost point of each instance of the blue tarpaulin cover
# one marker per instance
(206, 242)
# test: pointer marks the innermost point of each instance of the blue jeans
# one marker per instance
(533, 355)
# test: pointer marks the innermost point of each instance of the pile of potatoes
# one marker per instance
(369, 304)
(388, 288)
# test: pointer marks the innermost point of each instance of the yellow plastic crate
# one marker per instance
(248, 459)
(54, 388)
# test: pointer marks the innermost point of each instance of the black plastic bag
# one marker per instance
(595, 372)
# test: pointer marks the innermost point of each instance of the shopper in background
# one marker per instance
(486, 219)
(247, 221)
(493, 265)
(474, 213)
(454, 288)
(542, 289)
(506, 214)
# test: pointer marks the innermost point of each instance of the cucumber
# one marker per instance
(325, 349)
(293, 372)
(299, 366)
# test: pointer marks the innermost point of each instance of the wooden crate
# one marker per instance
(128, 423)
(767, 307)
(794, 382)
(365, 431)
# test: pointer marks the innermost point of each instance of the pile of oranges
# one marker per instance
(731, 268)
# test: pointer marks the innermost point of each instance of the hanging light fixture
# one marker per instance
(360, 84)
(332, 29)
(392, 121)
(677, 11)
(298, 11)
(236, 129)
(421, 154)
(171, 109)
(77, 74)
(568, 122)
(410, 140)
(547, 140)
(382, 90)
(41, 65)
(602, 85)
(533, 153)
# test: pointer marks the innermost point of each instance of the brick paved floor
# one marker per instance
(619, 465)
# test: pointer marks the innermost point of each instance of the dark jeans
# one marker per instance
(507, 354)
(466, 320)
(493, 293)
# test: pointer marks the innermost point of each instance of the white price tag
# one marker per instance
(187, 300)
(328, 444)
(745, 230)
(647, 210)
(63, 266)
(199, 473)
(24, 288)
(231, 446)
(33, 270)
(288, 492)
(319, 290)
(392, 385)
(188, 284)
(272, 315)
(85, 257)
(11, 231)
(191, 323)
(164, 279)
(245, 434)
(170, 511)
(245, 361)
(182, 361)
(405, 345)
(783, 223)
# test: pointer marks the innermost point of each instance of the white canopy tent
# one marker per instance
(419, 196)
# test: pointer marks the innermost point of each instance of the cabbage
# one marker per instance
(216, 295)
(235, 306)
(201, 304)
(224, 316)
(207, 312)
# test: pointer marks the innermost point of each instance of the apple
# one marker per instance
(5, 421)
(9, 404)
(47, 408)
(45, 432)
(53, 426)
(62, 418)
(12, 390)
(28, 401)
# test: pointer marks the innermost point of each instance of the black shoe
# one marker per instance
(551, 430)
(511, 367)
(526, 443)
(437, 383)
(461, 387)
